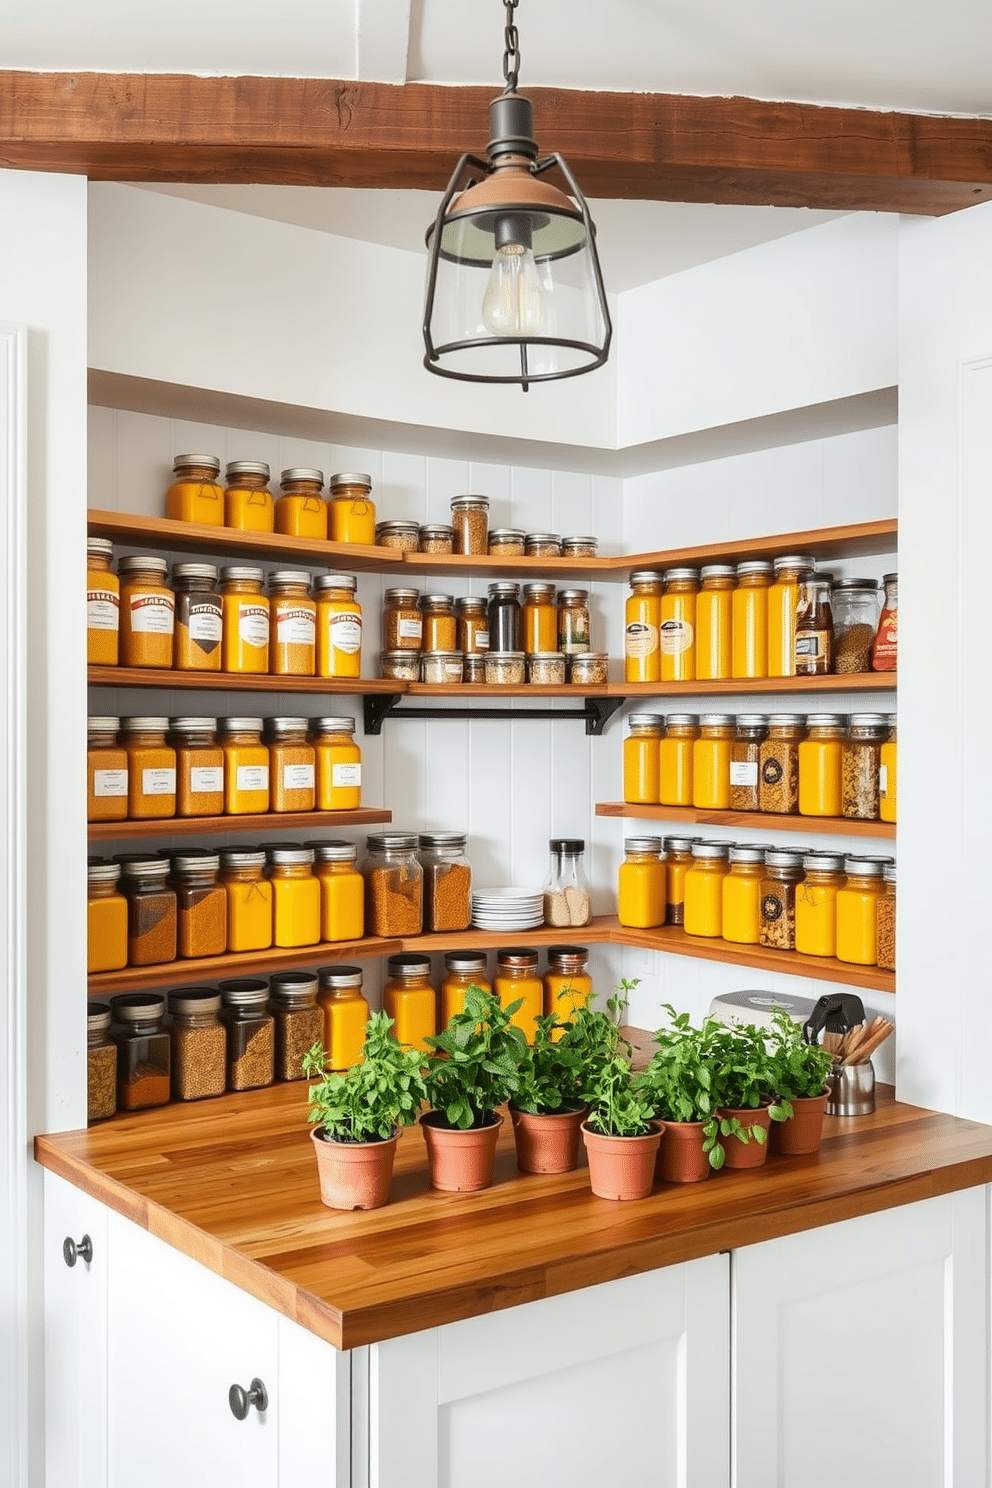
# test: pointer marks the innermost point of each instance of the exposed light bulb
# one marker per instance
(513, 304)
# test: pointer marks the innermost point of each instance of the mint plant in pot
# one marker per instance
(549, 1107)
(620, 1134)
(800, 1073)
(359, 1115)
(680, 1085)
(743, 1086)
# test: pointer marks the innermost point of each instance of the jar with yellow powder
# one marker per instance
(248, 503)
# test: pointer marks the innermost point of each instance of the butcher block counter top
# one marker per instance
(233, 1183)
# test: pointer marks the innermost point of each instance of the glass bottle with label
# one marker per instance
(573, 621)
(783, 599)
(251, 1043)
(567, 983)
(820, 756)
(144, 1056)
(346, 1015)
(351, 515)
(642, 622)
(888, 776)
(677, 635)
(504, 616)
(517, 980)
(782, 875)
(745, 752)
(151, 767)
(778, 763)
(106, 917)
(249, 899)
(199, 624)
(103, 604)
(641, 884)
(248, 503)
(245, 644)
(642, 759)
(675, 759)
(884, 651)
(199, 1043)
(742, 893)
(463, 969)
(292, 765)
(749, 619)
(342, 890)
(473, 625)
(151, 910)
(678, 861)
(295, 895)
(195, 494)
(410, 1000)
(857, 911)
(299, 1022)
(714, 605)
(199, 766)
(246, 766)
(704, 889)
(814, 626)
(711, 762)
(402, 622)
(339, 764)
(201, 905)
(339, 626)
(540, 619)
(301, 510)
(147, 613)
(816, 904)
(292, 625)
(106, 771)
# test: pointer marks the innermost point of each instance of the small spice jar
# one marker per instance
(292, 763)
(642, 759)
(567, 983)
(301, 510)
(447, 881)
(474, 666)
(248, 503)
(820, 758)
(101, 1063)
(402, 622)
(342, 890)
(345, 1013)
(473, 625)
(106, 771)
(857, 911)
(816, 904)
(394, 885)
(703, 889)
(506, 542)
(201, 905)
(641, 884)
(745, 751)
(106, 917)
(339, 764)
(888, 776)
(410, 1000)
(714, 629)
(590, 669)
(783, 872)
(441, 668)
(711, 762)
(147, 612)
(504, 617)
(143, 1050)
(246, 767)
(400, 666)
(675, 750)
(199, 766)
(199, 1043)
(440, 628)
(463, 969)
(295, 895)
(249, 899)
(814, 625)
(245, 642)
(642, 622)
(678, 861)
(505, 668)
(151, 768)
(579, 547)
(861, 757)
(351, 514)
(437, 537)
(292, 625)
(299, 1022)
(517, 980)
(546, 668)
(749, 620)
(403, 537)
(151, 910)
(103, 604)
(573, 621)
(778, 763)
(250, 1033)
(199, 623)
(195, 494)
(783, 599)
(566, 892)
(855, 613)
(539, 619)
(470, 521)
(885, 647)
(542, 545)
(741, 905)
(677, 630)
(339, 626)
(885, 922)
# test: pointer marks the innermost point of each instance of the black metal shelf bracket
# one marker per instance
(596, 712)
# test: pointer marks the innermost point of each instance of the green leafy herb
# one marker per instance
(799, 1069)
(476, 1062)
(367, 1102)
(619, 1106)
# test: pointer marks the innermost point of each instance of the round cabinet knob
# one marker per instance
(241, 1400)
(73, 1252)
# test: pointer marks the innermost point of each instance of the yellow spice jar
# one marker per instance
(103, 604)
(249, 899)
(248, 503)
(295, 896)
(245, 644)
(857, 911)
(642, 624)
(888, 777)
(463, 969)
(642, 759)
(711, 753)
(106, 770)
(749, 614)
(339, 626)
(151, 768)
(783, 597)
(714, 605)
(641, 884)
(351, 518)
(339, 764)
(704, 889)
(820, 765)
(677, 629)
(147, 613)
(195, 494)
(301, 510)
(246, 767)
(292, 625)
(678, 861)
(816, 904)
(567, 983)
(741, 905)
(292, 765)
(675, 754)
(346, 1015)
(517, 980)
(410, 1000)
(106, 918)
(342, 890)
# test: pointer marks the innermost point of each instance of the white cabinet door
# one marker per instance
(625, 1382)
(861, 1352)
(314, 1410)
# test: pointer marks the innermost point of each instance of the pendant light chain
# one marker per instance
(511, 49)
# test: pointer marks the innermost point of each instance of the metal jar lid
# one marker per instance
(718, 571)
(335, 581)
(869, 720)
(398, 527)
(391, 842)
(752, 720)
(98, 872)
(337, 725)
(506, 535)
(747, 852)
(408, 965)
(716, 720)
(890, 578)
(470, 604)
(465, 961)
(184, 571)
(241, 573)
(570, 952)
(99, 547)
(677, 575)
(504, 589)
(334, 978)
(646, 720)
(103, 725)
(140, 561)
(144, 865)
(865, 867)
(235, 468)
(717, 852)
(429, 530)
(516, 956)
(646, 576)
(780, 858)
(798, 561)
(185, 1002)
(567, 961)
(334, 850)
(401, 596)
(289, 854)
(98, 1017)
(244, 992)
(188, 863)
(205, 462)
(536, 592)
(823, 862)
(192, 725)
(144, 725)
(240, 725)
(137, 1007)
(544, 537)
(301, 473)
(241, 857)
(826, 720)
(464, 503)
(642, 844)
(284, 577)
(849, 586)
(679, 843)
(567, 844)
(293, 989)
(786, 720)
(683, 720)
(350, 478)
(569, 543)
(572, 596)
(436, 602)
(889, 873)
(443, 839)
(754, 566)
(276, 728)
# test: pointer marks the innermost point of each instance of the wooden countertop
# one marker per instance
(233, 1183)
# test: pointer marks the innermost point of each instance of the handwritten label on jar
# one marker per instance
(152, 614)
(346, 775)
(252, 778)
(205, 625)
(158, 782)
(253, 625)
(297, 777)
(743, 772)
(676, 637)
(410, 630)
(296, 628)
(346, 633)
(102, 610)
(110, 782)
(640, 640)
(206, 780)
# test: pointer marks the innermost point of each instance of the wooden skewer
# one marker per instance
(879, 1032)
(832, 1042)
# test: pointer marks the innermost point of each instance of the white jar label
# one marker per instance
(676, 637)
(206, 780)
(640, 639)
(410, 630)
(252, 778)
(883, 780)
(110, 782)
(158, 782)
(253, 625)
(102, 610)
(297, 777)
(205, 624)
(482, 640)
(743, 772)
(345, 775)
(152, 614)
(295, 628)
(346, 634)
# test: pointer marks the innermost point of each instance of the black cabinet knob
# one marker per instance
(241, 1400)
(71, 1252)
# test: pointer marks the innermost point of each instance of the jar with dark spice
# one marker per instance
(885, 922)
(199, 766)
(778, 763)
(250, 1033)
(440, 628)
(101, 1063)
(860, 760)
(855, 611)
(199, 1043)
(394, 885)
(473, 666)
(745, 751)
(506, 542)
(402, 622)
(201, 905)
(151, 910)
(404, 537)
(783, 873)
(106, 771)
(292, 765)
(447, 881)
(144, 1056)
(678, 861)
(504, 616)
(198, 626)
(814, 625)
(542, 545)
(437, 537)
(470, 520)
(473, 625)
(573, 621)
(299, 1022)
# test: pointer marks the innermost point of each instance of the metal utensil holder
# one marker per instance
(852, 1089)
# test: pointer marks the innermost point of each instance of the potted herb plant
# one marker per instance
(744, 1081)
(799, 1075)
(359, 1114)
(679, 1082)
(548, 1108)
(620, 1133)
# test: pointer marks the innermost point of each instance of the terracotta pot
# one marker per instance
(621, 1167)
(804, 1128)
(460, 1161)
(547, 1143)
(750, 1154)
(681, 1158)
(354, 1175)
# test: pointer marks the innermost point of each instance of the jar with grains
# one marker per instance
(103, 604)
(440, 628)
(248, 503)
(589, 669)
(884, 651)
(339, 764)
(855, 613)
(642, 624)
(195, 494)
(745, 751)
(473, 625)
(816, 904)
(342, 890)
(295, 895)
(517, 980)
(783, 598)
(546, 668)
(678, 861)
(106, 917)
(675, 778)
(573, 621)
(742, 893)
(351, 516)
(345, 1013)
(292, 625)
(301, 510)
(292, 765)
(151, 768)
(199, 766)
(152, 922)
(540, 618)
(299, 1022)
(402, 622)
(778, 763)
(199, 1043)
(463, 969)
(249, 899)
(861, 757)
(106, 771)
(470, 520)
(714, 630)
(857, 910)
(641, 884)
(505, 668)
(749, 620)
(677, 631)
(147, 613)
(820, 756)
(504, 617)
(199, 622)
(246, 767)
(703, 889)
(506, 542)
(201, 905)
(814, 625)
(542, 545)
(447, 881)
(711, 762)
(144, 1055)
(579, 547)
(437, 537)
(101, 1063)
(642, 759)
(403, 537)
(885, 922)
(400, 666)
(566, 892)
(250, 1033)
(394, 885)
(567, 983)
(245, 643)
(410, 1000)
(474, 666)
(339, 626)
(888, 776)
(441, 668)
(783, 873)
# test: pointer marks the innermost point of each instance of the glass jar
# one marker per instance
(778, 764)
(199, 1043)
(339, 626)
(301, 510)
(151, 910)
(339, 764)
(711, 762)
(473, 625)
(299, 1022)
(250, 1033)
(440, 628)
(441, 668)
(857, 911)
(147, 613)
(675, 752)
(106, 918)
(201, 905)
(573, 621)
(855, 612)
(745, 753)
(506, 542)
(588, 668)
(885, 922)
(547, 668)
(246, 767)
(249, 899)
(195, 494)
(783, 873)
(474, 667)
(342, 890)
(292, 625)
(505, 668)
(402, 623)
(245, 643)
(401, 666)
(463, 969)
(567, 983)
(540, 619)
(504, 617)
(579, 547)
(642, 623)
(106, 771)
(741, 905)
(151, 768)
(749, 620)
(143, 1050)
(566, 893)
(517, 980)
(678, 861)
(677, 632)
(351, 518)
(401, 537)
(199, 766)
(103, 604)
(542, 545)
(888, 777)
(410, 1000)
(714, 605)
(641, 884)
(814, 625)
(642, 759)
(861, 757)
(816, 904)
(346, 1015)
(295, 895)
(783, 599)
(436, 537)
(884, 651)
(394, 885)
(101, 1063)
(199, 624)
(248, 503)
(470, 520)
(703, 889)
(447, 881)
(820, 765)
(292, 762)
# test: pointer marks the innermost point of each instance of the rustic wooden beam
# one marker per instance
(322, 132)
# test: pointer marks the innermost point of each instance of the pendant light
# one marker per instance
(514, 289)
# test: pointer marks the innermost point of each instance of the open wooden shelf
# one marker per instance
(759, 821)
(227, 542)
(845, 682)
(852, 540)
(211, 969)
(270, 821)
(172, 677)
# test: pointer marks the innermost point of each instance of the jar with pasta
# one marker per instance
(473, 625)
(106, 917)
(346, 1015)
(245, 642)
(292, 625)
(410, 1000)
(677, 632)
(703, 888)
(782, 876)
(749, 619)
(339, 626)
(201, 904)
(573, 621)
(292, 765)
(342, 890)
(857, 911)
(199, 766)
(885, 922)
(147, 613)
(103, 604)
(339, 764)
(295, 895)
(199, 1043)
(351, 518)
(742, 893)
(246, 766)
(195, 494)
(151, 768)
(855, 614)
(151, 910)
(783, 598)
(517, 980)
(567, 984)
(462, 969)
(106, 771)
(820, 758)
(470, 520)
(711, 762)
(144, 1055)
(394, 885)
(402, 622)
(888, 776)
(675, 777)
(439, 631)
(447, 881)
(816, 904)
(713, 621)
(301, 510)
(745, 752)
(249, 899)
(248, 503)
(299, 1022)
(778, 763)
(641, 884)
(678, 861)
(199, 619)
(860, 760)
(250, 1033)
(642, 759)
(540, 619)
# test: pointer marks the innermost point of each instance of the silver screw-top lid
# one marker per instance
(241, 573)
(686, 720)
(826, 720)
(436, 602)
(334, 850)
(470, 603)
(203, 462)
(679, 843)
(716, 720)
(139, 562)
(464, 503)
(752, 720)
(289, 854)
(277, 728)
(293, 989)
(101, 872)
(646, 720)
(301, 473)
(398, 527)
(467, 961)
(711, 851)
(678, 575)
(103, 725)
(823, 862)
(647, 576)
(408, 965)
(537, 592)
(869, 720)
(244, 992)
(572, 596)
(235, 468)
(285, 578)
(99, 547)
(753, 566)
(786, 720)
(333, 978)
(866, 867)
(186, 1002)
(98, 1016)
(443, 839)
(747, 852)
(718, 571)
(195, 865)
(436, 529)
(350, 478)
(336, 725)
(867, 586)
(889, 873)
(401, 596)
(503, 588)
(184, 571)
(391, 842)
(579, 542)
(137, 1007)
(335, 581)
(796, 561)
(642, 844)
(506, 534)
(544, 537)
(144, 725)
(780, 858)
(240, 725)
(241, 857)
(192, 725)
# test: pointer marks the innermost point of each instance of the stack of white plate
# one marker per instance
(508, 909)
